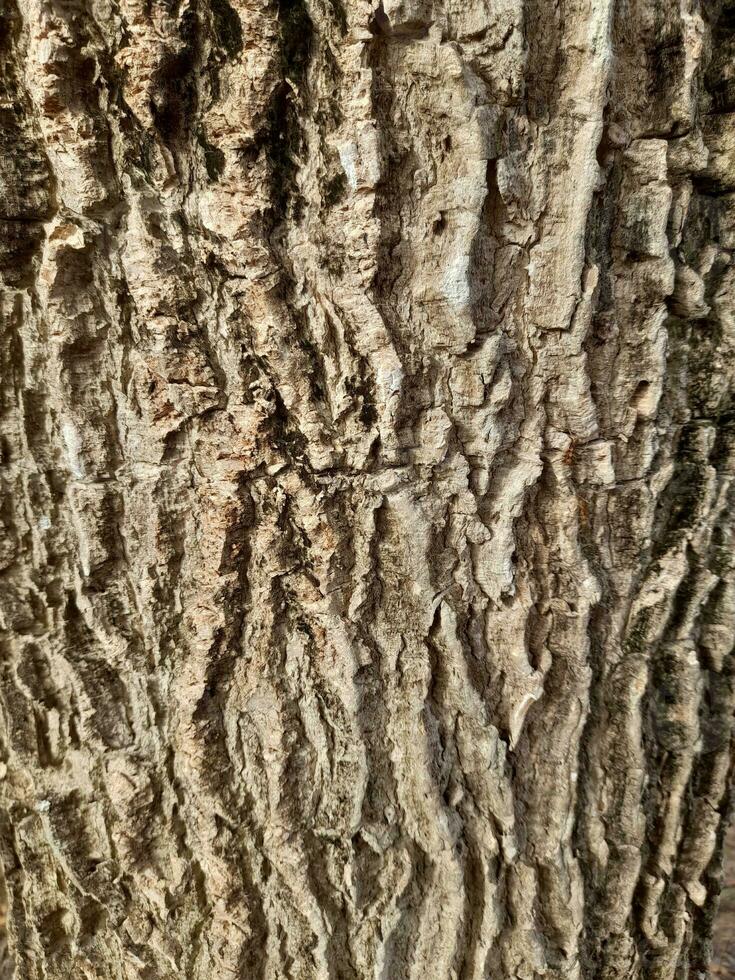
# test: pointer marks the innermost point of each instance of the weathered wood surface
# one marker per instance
(367, 453)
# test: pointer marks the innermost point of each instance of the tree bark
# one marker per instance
(367, 446)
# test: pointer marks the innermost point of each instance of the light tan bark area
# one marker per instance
(366, 432)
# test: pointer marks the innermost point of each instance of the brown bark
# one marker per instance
(367, 446)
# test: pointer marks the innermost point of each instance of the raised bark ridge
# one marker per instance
(366, 435)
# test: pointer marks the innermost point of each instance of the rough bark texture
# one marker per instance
(367, 446)
(723, 938)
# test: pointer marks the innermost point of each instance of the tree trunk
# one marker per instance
(367, 444)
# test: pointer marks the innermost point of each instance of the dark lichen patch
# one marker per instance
(296, 33)
(174, 95)
(281, 135)
(368, 414)
(306, 630)
(685, 601)
(20, 246)
(283, 140)
(214, 158)
(25, 177)
(718, 79)
(226, 43)
(691, 485)
(287, 437)
(339, 14)
(333, 190)
(314, 370)
(227, 27)
(636, 641)
(329, 114)
(704, 385)
(139, 147)
(361, 388)
(722, 456)
(682, 505)
(26, 181)
(722, 560)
